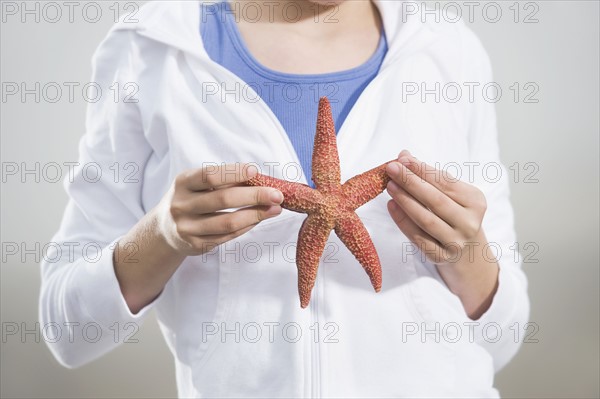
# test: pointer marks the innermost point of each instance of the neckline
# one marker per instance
(366, 68)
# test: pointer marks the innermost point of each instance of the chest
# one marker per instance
(198, 114)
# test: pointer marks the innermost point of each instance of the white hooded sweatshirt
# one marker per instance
(232, 317)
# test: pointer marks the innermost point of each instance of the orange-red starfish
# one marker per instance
(330, 206)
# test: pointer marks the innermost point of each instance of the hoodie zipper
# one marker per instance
(315, 352)
(315, 338)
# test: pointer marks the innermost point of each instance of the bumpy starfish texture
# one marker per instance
(331, 206)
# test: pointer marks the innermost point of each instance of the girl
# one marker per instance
(227, 89)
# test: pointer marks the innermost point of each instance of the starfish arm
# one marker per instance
(312, 238)
(296, 196)
(364, 187)
(325, 161)
(352, 232)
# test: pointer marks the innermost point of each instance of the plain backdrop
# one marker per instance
(553, 143)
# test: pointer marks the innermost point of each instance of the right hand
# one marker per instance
(190, 215)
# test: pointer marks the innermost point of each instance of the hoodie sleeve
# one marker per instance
(81, 301)
(510, 307)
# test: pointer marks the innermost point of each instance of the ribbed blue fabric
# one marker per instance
(293, 98)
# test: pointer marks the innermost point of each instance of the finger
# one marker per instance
(233, 197)
(442, 180)
(215, 176)
(424, 242)
(426, 193)
(423, 217)
(297, 196)
(207, 243)
(228, 222)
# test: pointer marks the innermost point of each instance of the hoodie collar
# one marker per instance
(177, 24)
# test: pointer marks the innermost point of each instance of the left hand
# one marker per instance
(437, 212)
(442, 216)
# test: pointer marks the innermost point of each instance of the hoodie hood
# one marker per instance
(176, 24)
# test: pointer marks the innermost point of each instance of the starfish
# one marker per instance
(331, 206)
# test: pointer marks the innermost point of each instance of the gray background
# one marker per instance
(559, 213)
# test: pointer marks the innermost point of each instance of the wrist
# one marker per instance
(148, 263)
(158, 236)
(473, 277)
(474, 253)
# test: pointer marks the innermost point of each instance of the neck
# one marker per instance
(303, 37)
(312, 18)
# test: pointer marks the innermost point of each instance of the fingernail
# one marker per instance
(393, 186)
(251, 171)
(404, 153)
(405, 161)
(276, 196)
(393, 168)
(273, 211)
(397, 209)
